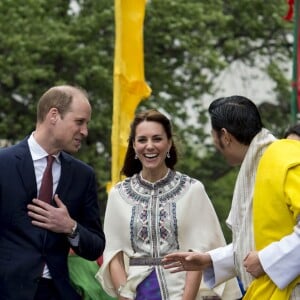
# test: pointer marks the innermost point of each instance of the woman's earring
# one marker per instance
(135, 157)
(168, 154)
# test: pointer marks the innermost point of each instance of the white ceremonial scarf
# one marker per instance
(240, 215)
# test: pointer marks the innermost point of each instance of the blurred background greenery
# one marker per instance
(188, 43)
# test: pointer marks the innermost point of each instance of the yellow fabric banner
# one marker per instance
(129, 82)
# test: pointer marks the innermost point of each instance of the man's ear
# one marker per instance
(227, 137)
(53, 115)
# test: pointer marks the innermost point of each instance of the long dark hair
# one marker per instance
(131, 165)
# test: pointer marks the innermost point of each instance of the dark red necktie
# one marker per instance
(46, 189)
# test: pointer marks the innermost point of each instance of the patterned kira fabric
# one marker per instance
(154, 199)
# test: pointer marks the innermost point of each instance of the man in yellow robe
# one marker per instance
(233, 120)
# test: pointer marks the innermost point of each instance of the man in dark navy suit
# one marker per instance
(36, 236)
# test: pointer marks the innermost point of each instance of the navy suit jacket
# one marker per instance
(24, 248)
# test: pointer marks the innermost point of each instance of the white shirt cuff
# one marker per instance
(223, 266)
(281, 260)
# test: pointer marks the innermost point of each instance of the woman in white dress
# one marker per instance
(157, 210)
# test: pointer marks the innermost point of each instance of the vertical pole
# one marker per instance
(295, 84)
(297, 20)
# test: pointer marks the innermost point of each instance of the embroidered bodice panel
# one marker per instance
(153, 222)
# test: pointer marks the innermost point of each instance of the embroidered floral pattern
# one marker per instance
(153, 226)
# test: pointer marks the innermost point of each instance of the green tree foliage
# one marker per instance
(187, 45)
(44, 43)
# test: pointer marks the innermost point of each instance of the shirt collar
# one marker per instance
(37, 152)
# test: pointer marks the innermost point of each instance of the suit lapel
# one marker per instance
(26, 170)
(66, 176)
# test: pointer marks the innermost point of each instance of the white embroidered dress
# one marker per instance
(145, 219)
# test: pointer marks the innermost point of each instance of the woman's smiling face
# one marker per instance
(151, 145)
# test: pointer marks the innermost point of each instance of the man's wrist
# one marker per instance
(208, 261)
(74, 231)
